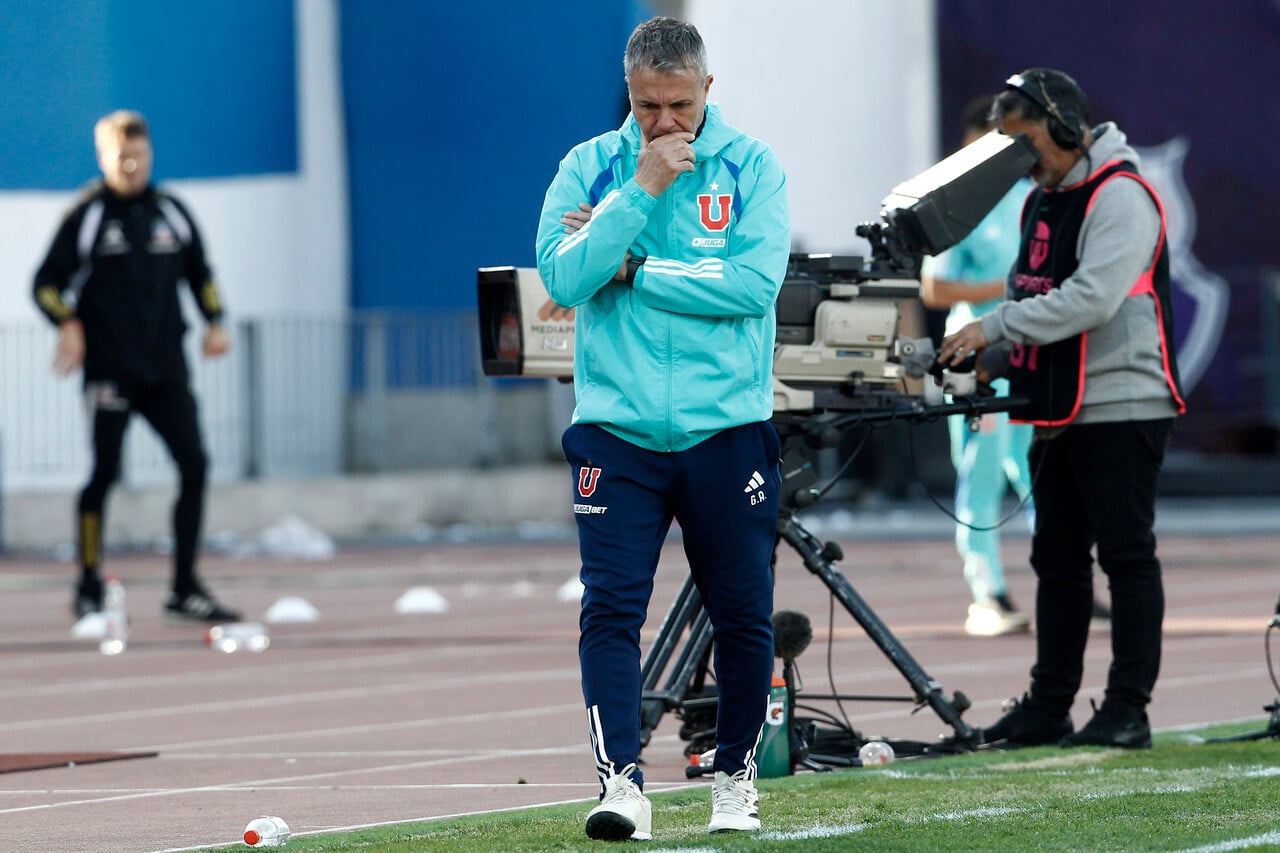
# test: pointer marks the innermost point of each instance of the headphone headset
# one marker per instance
(1063, 125)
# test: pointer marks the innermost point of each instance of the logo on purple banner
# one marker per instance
(1200, 298)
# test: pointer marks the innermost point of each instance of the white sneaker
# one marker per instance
(735, 805)
(624, 812)
(993, 617)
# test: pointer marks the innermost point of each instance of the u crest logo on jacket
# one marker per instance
(720, 220)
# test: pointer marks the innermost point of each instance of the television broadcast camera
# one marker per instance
(838, 347)
(838, 362)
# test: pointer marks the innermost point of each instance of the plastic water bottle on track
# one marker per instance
(875, 752)
(238, 637)
(700, 763)
(115, 614)
(266, 831)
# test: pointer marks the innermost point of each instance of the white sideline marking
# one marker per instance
(1238, 844)
(818, 831)
(1263, 772)
(995, 811)
(1266, 838)
(822, 831)
(335, 829)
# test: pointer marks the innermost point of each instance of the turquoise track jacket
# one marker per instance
(686, 350)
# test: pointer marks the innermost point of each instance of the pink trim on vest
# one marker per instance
(1144, 286)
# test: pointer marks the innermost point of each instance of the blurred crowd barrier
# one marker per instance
(297, 397)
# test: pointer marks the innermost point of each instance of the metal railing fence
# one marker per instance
(296, 396)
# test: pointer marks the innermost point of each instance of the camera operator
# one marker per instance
(1088, 325)
(670, 236)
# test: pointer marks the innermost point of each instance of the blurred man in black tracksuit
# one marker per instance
(110, 284)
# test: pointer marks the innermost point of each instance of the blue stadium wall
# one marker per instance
(216, 80)
(457, 116)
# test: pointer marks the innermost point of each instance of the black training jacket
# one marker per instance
(116, 264)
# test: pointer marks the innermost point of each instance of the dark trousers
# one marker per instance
(170, 408)
(724, 493)
(1095, 487)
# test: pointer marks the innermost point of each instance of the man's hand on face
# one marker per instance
(662, 160)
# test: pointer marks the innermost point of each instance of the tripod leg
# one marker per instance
(927, 690)
(690, 664)
(685, 608)
(1271, 731)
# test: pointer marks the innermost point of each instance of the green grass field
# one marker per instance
(1182, 795)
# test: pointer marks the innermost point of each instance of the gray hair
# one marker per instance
(667, 45)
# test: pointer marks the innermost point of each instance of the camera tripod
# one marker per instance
(1272, 729)
(686, 662)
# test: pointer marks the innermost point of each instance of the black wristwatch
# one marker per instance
(633, 266)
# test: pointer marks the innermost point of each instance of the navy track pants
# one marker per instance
(724, 493)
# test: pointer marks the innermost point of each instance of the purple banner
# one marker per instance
(1195, 92)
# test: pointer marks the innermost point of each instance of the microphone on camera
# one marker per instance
(791, 634)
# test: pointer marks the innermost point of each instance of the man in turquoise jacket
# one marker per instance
(969, 279)
(670, 237)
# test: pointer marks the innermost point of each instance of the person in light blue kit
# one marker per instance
(670, 237)
(969, 279)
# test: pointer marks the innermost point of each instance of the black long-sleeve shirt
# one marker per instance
(116, 264)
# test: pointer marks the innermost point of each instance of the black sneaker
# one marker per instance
(198, 606)
(1025, 724)
(1113, 725)
(88, 598)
